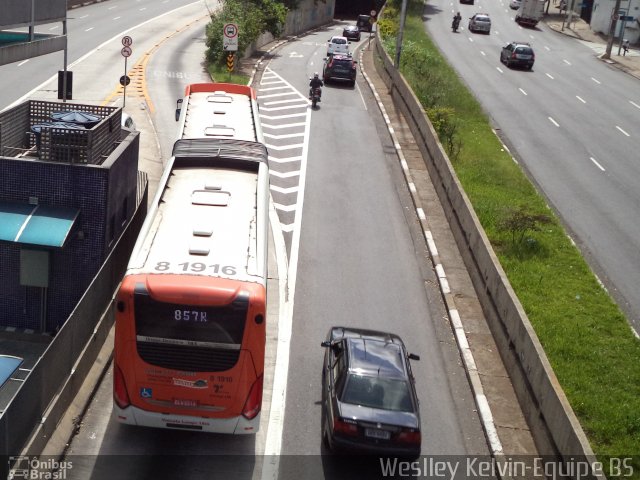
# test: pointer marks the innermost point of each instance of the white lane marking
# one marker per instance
(289, 135)
(597, 164)
(273, 444)
(547, 48)
(622, 131)
(53, 28)
(499, 69)
(293, 173)
(482, 53)
(111, 8)
(271, 88)
(117, 18)
(89, 29)
(553, 121)
(275, 109)
(470, 39)
(581, 99)
(296, 158)
(278, 127)
(290, 115)
(523, 92)
(595, 80)
(280, 102)
(273, 95)
(634, 104)
(284, 190)
(549, 75)
(361, 97)
(143, 8)
(22, 63)
(84, 16)
(566, 61)
(284, 147)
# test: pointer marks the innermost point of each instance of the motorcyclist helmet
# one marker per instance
(315, 75)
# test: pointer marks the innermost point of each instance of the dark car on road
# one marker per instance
(369, 401)
(351, 32)
(364, 23)
(518, 54)
(340, 67)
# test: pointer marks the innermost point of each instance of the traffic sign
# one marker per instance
(627, 18)
(127, 41)
(230, 37)
(125, 80)
(230, 30)
(126, 52)
(373, 13)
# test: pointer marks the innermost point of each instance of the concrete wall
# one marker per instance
(19, 13)
(601, 18)
(553, 424)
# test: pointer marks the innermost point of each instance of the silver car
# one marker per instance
(480, 22)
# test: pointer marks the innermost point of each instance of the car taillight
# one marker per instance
(254, 400)
(410, 435)
(345, 426)
(120, 395)
(513, 55)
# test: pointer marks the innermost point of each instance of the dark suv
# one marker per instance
(369, 401)
(340, 67)
(518, 54)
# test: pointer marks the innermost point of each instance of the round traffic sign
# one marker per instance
(126, 51)
(127, 41)
(125, 80)
(230, 30)
(373, 13)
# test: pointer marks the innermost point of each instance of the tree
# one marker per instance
(253, 17)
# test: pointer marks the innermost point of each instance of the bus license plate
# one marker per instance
(374, 433)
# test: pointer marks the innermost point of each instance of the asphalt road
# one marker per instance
(356, 257)
(362, 262)
(572, 122)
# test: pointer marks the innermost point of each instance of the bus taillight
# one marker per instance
(254, 401)
(120, 395)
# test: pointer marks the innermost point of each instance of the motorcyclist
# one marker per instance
(316, 82)
(456, 21)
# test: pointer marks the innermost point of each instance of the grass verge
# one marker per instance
(585, 335)
(220, 74)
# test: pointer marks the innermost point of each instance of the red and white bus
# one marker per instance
(191, 310)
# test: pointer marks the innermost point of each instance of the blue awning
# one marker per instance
(8, 365)
(43, 225)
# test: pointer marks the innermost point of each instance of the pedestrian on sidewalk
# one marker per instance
(625, 47)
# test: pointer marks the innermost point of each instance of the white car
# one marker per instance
(338, 45)
(515, 4)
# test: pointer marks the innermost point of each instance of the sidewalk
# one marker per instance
(580, 30)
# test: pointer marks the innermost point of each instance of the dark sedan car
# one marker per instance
(340, 67)
(351, 32)
(369, 401)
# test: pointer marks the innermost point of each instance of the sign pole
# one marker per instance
(124, 92)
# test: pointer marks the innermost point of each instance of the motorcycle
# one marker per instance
(455, 24)
(315, 95)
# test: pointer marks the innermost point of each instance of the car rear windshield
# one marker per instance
(339, 41)
(524, 50)
(483, 19)
(378, 392)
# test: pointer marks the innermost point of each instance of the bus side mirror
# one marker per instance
(178, 109)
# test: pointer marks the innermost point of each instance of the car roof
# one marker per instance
(351, 27)
(375, 357)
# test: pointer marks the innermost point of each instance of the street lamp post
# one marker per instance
(612, 30)
(403, 16)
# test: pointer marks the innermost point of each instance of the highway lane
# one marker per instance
(362, 262)
(572, 123)
(87, 28)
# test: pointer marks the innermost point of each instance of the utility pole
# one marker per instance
(403, 16)
(612, 30)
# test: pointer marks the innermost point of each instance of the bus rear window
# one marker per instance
(191, 323)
